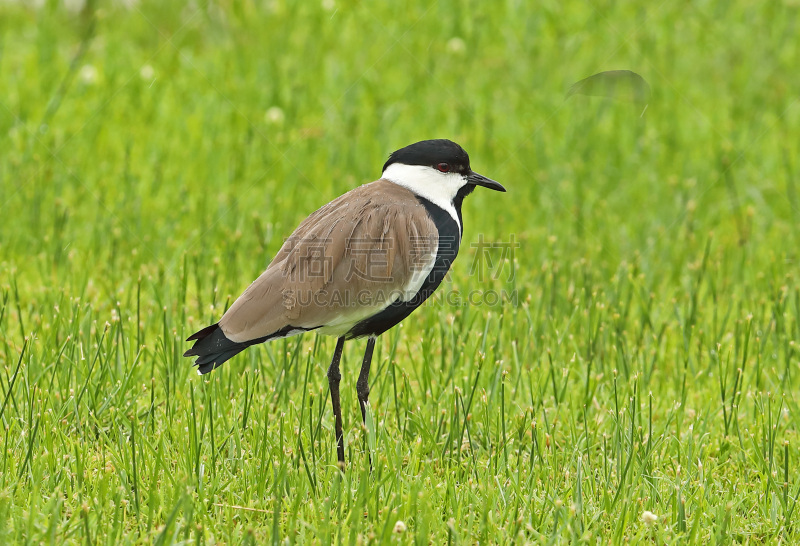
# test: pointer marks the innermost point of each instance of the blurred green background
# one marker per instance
(153, 156)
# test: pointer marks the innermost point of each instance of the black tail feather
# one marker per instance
(208, 363)
(207, 341)
(213, 348)
(208, 330)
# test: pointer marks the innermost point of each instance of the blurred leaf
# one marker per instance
(614, 84)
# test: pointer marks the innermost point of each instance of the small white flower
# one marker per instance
(274, 116)
(88, 74)
(147, 72)
(649, 518)
(400, 526)
(456, 45)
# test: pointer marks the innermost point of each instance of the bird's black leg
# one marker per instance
(363, 379)
(363, 386)
(334, 376)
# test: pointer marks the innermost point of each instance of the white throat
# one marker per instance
(438, 188)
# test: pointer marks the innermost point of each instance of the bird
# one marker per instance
(357, 266)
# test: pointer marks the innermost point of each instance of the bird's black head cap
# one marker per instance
(431, 153)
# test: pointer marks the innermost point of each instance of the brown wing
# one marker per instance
(345, 262)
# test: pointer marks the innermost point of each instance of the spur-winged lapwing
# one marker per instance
(357, 266)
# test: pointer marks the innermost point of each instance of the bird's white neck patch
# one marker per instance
(438, 188)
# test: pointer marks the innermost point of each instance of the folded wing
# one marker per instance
(344, 263)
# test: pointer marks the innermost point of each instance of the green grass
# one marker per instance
(649, 361)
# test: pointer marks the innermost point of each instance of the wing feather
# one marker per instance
(345, 262)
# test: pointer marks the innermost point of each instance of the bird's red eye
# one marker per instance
(443, 167)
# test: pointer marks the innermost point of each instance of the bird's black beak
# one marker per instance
(480, 180)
